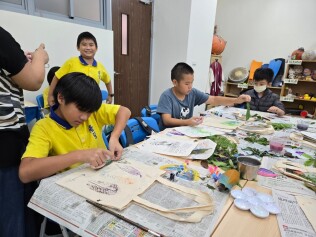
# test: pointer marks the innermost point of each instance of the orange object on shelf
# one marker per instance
(253, 67)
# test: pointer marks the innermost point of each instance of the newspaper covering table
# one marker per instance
(73, 212)
(292, 220)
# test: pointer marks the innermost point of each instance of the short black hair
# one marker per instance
(179, 69)
(263, 74)
(51, 74)
(78, 88)
(86, 35)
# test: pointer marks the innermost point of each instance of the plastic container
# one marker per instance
(277, 144)
(302, 125)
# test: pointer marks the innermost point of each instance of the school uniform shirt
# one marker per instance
(265, 102)
(53, 136)
(179, 109)
(77, 64)
(45, 97)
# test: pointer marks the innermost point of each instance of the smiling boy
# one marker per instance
(87, 46)
(176, 104)
(72, 133)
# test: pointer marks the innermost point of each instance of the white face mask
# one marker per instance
(260, 88)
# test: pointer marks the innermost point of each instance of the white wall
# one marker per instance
(60, 39)
(182, 32)
(171, 20)
(264, 30)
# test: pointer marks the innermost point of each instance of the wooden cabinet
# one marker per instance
(292, 91)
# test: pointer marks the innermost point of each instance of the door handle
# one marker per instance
(117, 73)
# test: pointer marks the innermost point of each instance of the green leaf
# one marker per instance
(248, 111)
(210, 187)
(308, 162)
(231, 163)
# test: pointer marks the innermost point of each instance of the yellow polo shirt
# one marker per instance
(77, 64)
(49, 138)
(45, 97)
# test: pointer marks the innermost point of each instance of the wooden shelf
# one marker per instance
(299, 80)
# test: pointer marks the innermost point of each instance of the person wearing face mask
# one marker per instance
(262, 98)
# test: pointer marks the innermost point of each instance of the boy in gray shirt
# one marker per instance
(176, 104)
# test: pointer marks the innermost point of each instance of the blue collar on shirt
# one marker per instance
(58, 119)
(85, 63)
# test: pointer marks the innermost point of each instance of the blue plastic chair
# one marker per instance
(105, 139)
(104, 94)
(40, 103)
(151, 113)
(138, 132)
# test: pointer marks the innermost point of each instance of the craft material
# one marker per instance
(266, 173)
(181, 171)
(277, 144)
(103, 208)
(256, 138)
(260, 127)
(224, 154)
(302, 125)
(296, 170)
(228, 179)
(248, 111)
(109, 186)
(281, 126)
(107, 162)
(248, 167)
(260, 204)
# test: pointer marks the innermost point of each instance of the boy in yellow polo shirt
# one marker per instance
(87, 46)
(72, 133)
(50, 76)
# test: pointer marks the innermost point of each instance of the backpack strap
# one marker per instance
(129, 136)
(148, 110)
(145, 126)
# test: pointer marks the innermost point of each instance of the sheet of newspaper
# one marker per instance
(73, 212)
(292, 220)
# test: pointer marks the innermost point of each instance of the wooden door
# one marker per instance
(131, 63)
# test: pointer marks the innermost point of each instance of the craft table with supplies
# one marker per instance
(183, 157)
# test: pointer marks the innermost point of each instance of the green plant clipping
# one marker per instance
(248, 111)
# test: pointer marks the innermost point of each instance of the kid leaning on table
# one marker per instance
(262, 98)
(72, 133)
(176, 104)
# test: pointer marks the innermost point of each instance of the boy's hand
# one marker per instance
(276, 110)
(116, 148)
(109, 100)
(195, 120)
(51, 100)
(95, 157)
(243, 98)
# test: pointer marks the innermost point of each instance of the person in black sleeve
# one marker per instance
(18, 71)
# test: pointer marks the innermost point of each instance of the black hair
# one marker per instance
(86, 35)
(51, 74)
(179, 69)
(78, 88)
(263, 74)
